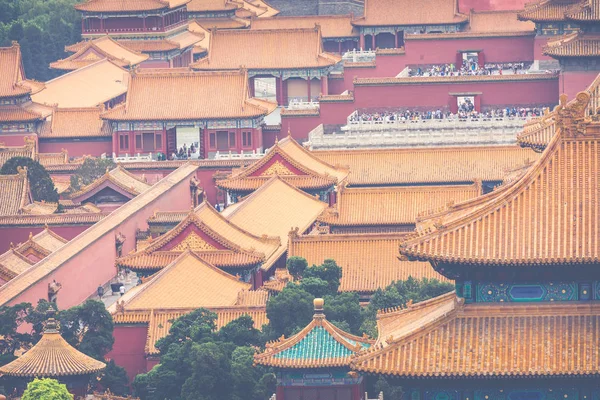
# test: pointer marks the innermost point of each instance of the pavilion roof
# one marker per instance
(369, 261)
(196, 6)
(444, 164)
(75, 122)
(319, 345)
(12, 81)
(222, 23)
(128, 5)
(266, 49)
(119, 177)
(8, 152)
(547, 10)
(47, 159)
(576, 44)
(188, 282)
(14, 193)
(585, 11)
(392, 205)
(209, 236)
(95, 50)
(443, 337)
(504, 21)
(292, 163)
(18, 113)
(88, 86)
(24, 255)
(274, 209)
(52, 356)
(405, 12)
(217, 95)
(521, 223)
(255, 9)
(332, 26)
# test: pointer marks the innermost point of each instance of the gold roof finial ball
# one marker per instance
(318, 303)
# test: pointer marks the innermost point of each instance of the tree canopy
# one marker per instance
(46, 389)
(43, 28)
(41, 185)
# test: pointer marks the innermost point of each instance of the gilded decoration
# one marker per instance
(277, 168)
(194, 243)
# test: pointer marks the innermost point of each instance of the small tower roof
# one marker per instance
(319, 345)
(52, 356)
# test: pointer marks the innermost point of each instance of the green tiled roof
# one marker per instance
(316, 345)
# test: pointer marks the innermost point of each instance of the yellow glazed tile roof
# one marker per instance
(14, 193)
(128, 5)
(189, 282)
(404, 12)
(75, 122)
(369, 261)
(332, 26)
(8, 152)
(577, 44)
(549, 216)
(118, 176)
(12, 81)
(428, 165)
(392, 205)
(89, 86)
(547, 10)
(282, 49)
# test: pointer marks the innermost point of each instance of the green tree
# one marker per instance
(345, 307)
(11, 318)
(315, 286)
(41, 185)
(329, 271)
(296, 266)
(89, 171)
(46, 389)
(391, 392)
(289, 310)
(115, 379)
(240, 332)
(198, 325)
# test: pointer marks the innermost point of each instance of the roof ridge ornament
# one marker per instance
(571, 116)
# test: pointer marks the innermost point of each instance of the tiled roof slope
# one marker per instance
(292, 163)
(118, 176)
(188, 282)
(450, 339)
(103, 226)
(8, 152)
(48, 159)
(319, 345)
(222, 23)
(211, 5)
(51, 357)
(550, 216)
(75, 122)
(444, 165)
(369, 261)
(256, 9)
(12, 80)
(170, 93)
(237, 248)
(12, 263)
(127, 5)
(89, 86)
(14, 193)
(576, 44)
(280, 49)
(547, 10)
(404, 12)
(332, 26)
(98, 49)
(392, 205)
(498, 22)
(586, 11)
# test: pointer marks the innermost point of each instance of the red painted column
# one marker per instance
(459, 60)
(395, 40)
(115, 142)
(279, 393)
(340, 47)
(477, 104)
(324, 85)
(308, 82)
(373, 43)
(144, 23)
(83, 25)
(251, 87)
(102, 24)
(481, 59)
(361, 42)
(453, 104)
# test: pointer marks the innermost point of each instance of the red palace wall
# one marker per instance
(12, 234)
(16, 139)
(438, 95)
(538, 48)
(572, 83)
(95, 264)
(490, 5)
(501, 49)
(78, 148)
(129, 348)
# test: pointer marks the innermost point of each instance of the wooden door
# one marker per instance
(223, 141)
(148, 142)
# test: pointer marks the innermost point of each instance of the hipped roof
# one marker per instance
(128, 5)
(332, 26)
(12, 80)
(406, 12)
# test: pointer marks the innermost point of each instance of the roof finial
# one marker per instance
(30, 235)
(289, 132)
(318, 304)
(276, 139)
(51, 323)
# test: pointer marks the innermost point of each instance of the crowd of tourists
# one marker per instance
(469, 67)
(463, 113)
(185, 152)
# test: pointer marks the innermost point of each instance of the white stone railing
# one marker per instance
(133, 158)
(369, 134)
(302, 105)
(358, 55)
(253, 155)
